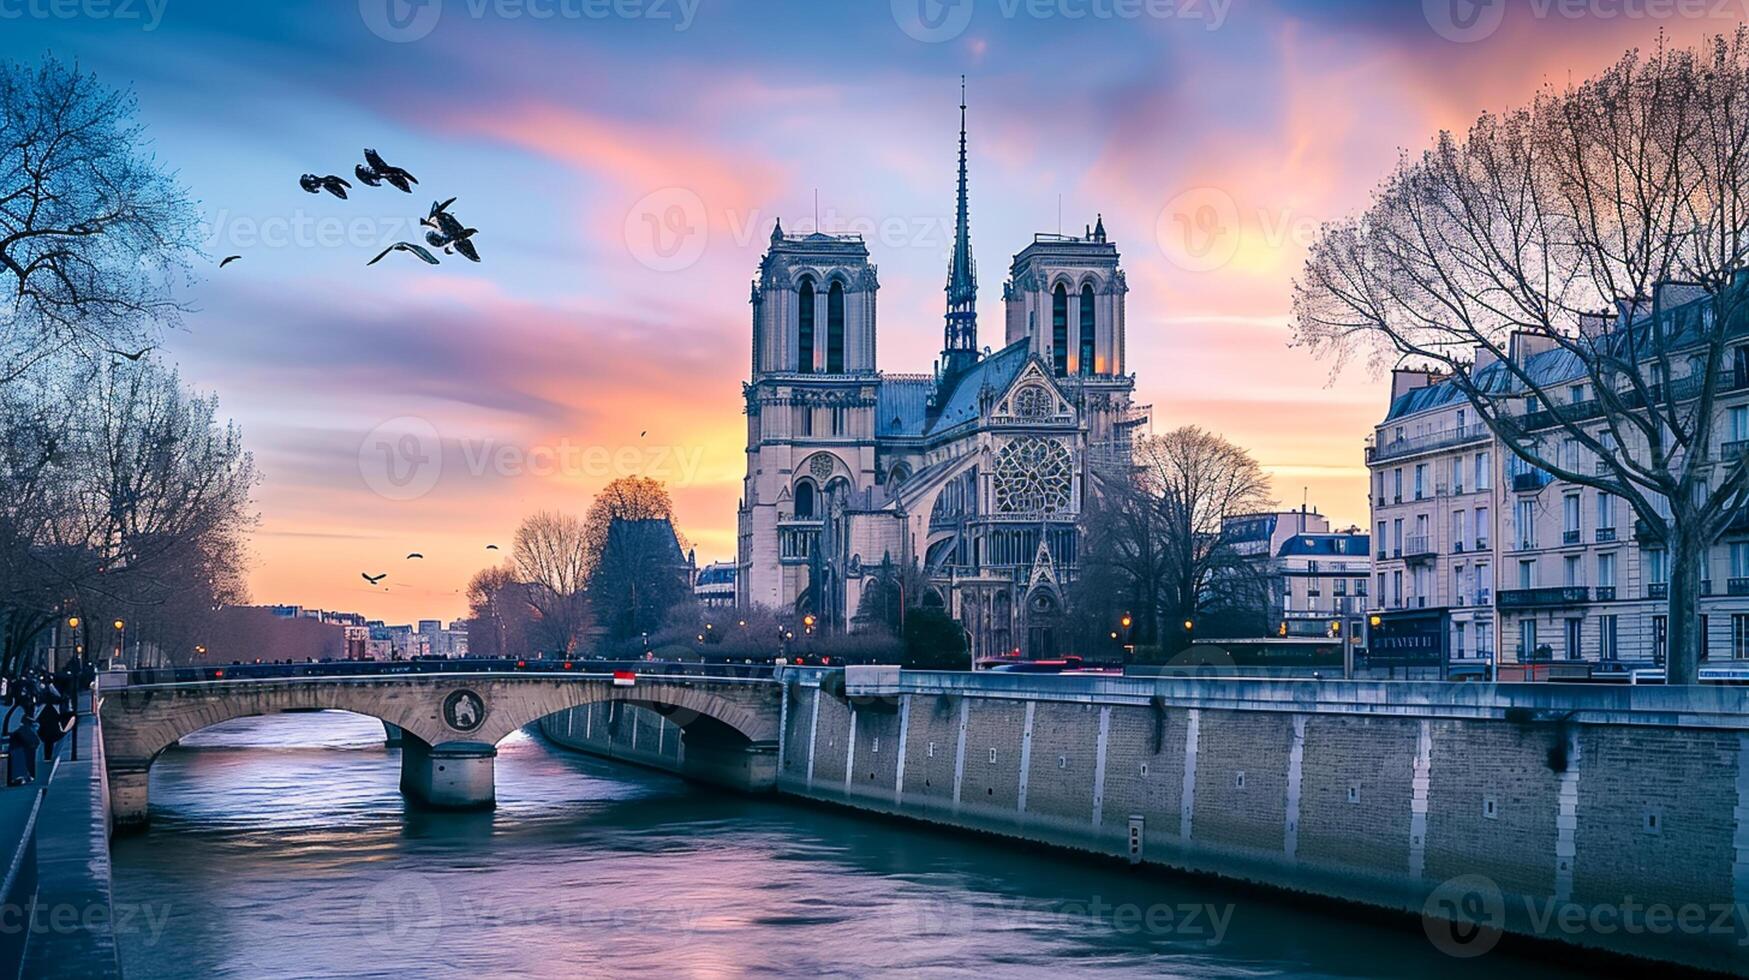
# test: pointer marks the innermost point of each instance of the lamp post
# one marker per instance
(1129, 648)
(121, 643)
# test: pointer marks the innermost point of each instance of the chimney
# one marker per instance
(1484, 357)
(1405, 380)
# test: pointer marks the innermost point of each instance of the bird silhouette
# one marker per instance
(227, 260)
(381, 171)
(414, 554)
(134, 356)
(643, 433)
(418, 250)
(448, 233)
(373, 579)
(315, 185)
(491, 547)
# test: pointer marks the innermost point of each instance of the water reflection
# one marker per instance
(281, 847)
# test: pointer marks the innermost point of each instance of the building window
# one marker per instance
(1457, 642)
(1740, 637)
(1606, 638)
(1660, 638)
(1484, 476)
(1482, 528)
(1575, 629)
(1570, 518)
(1606, 570)
(1457, 530)
(1740, 559)
(1527, 573)
(805, 332)
(1420, 480)
(835, 329)
(804, 500)
(1397, 483)
(1526, 524)
(1657, 569)
(1527, 639)
(1605, 511)
(1087, 329)
(1739, 415)
(1060, 330)
(1571, 570)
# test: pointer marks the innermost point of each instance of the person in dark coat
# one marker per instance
(21, 755)
(50, 726)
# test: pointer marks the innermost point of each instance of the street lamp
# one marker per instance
(121, 643)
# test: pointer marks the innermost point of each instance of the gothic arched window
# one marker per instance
(805, 335)
(804, 500)
(1087, 329)
(835, 329)
(1060, 330)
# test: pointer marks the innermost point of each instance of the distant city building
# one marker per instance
(715, 586)
(1315, 578)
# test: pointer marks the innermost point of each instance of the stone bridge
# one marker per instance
(450, 723)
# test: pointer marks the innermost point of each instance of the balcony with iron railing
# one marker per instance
(1529, 482)
(1557, 595)
(1737, 586)
(1657, 590)
(1605, 534)
(1443, 439)
(1606, 593)
(1570, 536)
(1418, 547)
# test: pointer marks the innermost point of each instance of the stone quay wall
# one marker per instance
(1610, 817)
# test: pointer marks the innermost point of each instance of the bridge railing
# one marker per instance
(396, 668)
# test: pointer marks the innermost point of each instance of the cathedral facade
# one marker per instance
(975, 473)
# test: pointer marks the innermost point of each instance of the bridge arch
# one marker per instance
(454, 722)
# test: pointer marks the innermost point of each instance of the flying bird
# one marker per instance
(315, 185)
(227, 260)
(491, 547)
(414, 554)
(134, 356)
(448, 233)
(373, 579)
(381, 171)
(418, 250)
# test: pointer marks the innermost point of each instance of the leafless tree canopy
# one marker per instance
(122, 495)
(552, 559)
(1566, 220)
(1163, 529)
(93, 233)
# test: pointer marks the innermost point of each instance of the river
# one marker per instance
(281, 847)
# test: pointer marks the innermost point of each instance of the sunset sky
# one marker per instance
(624, 163)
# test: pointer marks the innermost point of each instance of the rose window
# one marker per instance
(1033, 476)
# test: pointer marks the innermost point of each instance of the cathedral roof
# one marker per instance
(996, 372)
(902, 405)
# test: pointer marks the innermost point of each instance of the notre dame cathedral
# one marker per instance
(976, 473)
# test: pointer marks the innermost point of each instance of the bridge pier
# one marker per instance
(393, 735)
(749, 768)
(450, 775)
(128, 795)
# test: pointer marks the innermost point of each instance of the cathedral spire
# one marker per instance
(960, 350)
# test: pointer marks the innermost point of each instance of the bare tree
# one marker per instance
(93, 232)
(1164, 530)
(500, 616)
(122, 495)
(627, 498)
(552, 559)
(1598, 196)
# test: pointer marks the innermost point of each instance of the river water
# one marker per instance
(281, 847)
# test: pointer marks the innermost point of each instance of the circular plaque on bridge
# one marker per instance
(464, 710)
